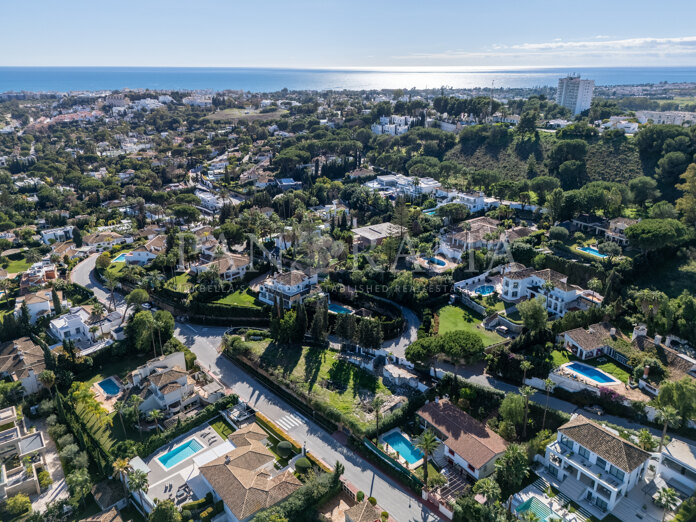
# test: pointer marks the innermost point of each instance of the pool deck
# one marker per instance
(165, 483)
(588, 380)
(392, 452)
(532, 492)
(432, 267)
(107, 401)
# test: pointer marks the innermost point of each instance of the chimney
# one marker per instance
(227, 459)
(658, 340)
(639, 330)
(612, 332)
(437, 399)
(646, 371)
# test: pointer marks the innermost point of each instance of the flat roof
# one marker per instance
(681, 452)
(31, 443)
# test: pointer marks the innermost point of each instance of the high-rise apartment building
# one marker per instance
(574, 93)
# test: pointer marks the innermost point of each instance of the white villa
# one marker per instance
(72, 326)
(560, 297)
(594, 465)
(15, 440)
(163, 384)
(289, 288)
(38, 304)
(22, 360)
(398, 184)
(230, 267)
(678, 467)
(147, 252)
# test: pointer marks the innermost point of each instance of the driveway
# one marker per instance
(398, 346)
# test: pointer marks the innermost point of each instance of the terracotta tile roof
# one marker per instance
(244, 436)
(362, 512)
(294, 277)
(19, 356)
(105, 516)
(167, 377)
(472, 440)
(599, 440)
(593, 337)
(242, 480)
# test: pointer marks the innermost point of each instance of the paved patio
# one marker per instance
(179, 483)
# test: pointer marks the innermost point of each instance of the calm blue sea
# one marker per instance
(268, 80)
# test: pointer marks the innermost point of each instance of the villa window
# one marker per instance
(583, 452)
(601, 463)
(567, 442)
(617, 473)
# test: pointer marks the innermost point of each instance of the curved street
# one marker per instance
(204, 341)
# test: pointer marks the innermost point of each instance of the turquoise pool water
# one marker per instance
(180, 453)
(484, 289)
(109, 386)
(429, 212)
(592, 252)
(121, 258)
(536, 506)
(434, 261)
(592, 373)
(338, 309)
(401, 444)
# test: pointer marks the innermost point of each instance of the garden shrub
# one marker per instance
(372, 500)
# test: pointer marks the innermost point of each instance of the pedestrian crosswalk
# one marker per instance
(290, 421)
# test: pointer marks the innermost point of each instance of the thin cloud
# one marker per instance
(561, 51)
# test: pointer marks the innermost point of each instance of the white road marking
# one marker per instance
(289, 422)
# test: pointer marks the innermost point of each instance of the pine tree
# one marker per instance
(56, 302)
(301, 322)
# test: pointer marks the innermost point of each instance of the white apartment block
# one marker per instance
(574, 93)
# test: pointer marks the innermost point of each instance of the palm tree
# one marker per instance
(138, 482)
(79, 484)
(526, 391)
(135, 401)
(156, 415)
(111, 285)
(121, 469)
(120, 407)
(548, 385)
(489, 488)
(427, 443)
(669, 417)
(48, 379)
(98, 312)
(667, 500)
(525, 366)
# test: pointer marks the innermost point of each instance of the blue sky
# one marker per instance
(350, 33)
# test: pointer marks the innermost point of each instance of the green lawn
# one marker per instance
(115, 268)
(459, 318)
(604, 363)
(320, 373)
(180, 283)
(222, 428)
(432, 470)
(240, 298)
(17, 265)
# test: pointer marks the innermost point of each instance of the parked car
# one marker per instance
(597, 410)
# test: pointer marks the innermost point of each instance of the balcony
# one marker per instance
(579, 462)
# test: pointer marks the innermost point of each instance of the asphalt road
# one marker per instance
(204, 341)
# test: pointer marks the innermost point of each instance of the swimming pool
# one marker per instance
(434, 261)
(593, 252)
(429, 212)
(401, 444)
(541, 510)
(121, 258)
(338, 309)
(109, 386)
(180, 453)
(592, 373)
(484, 289)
